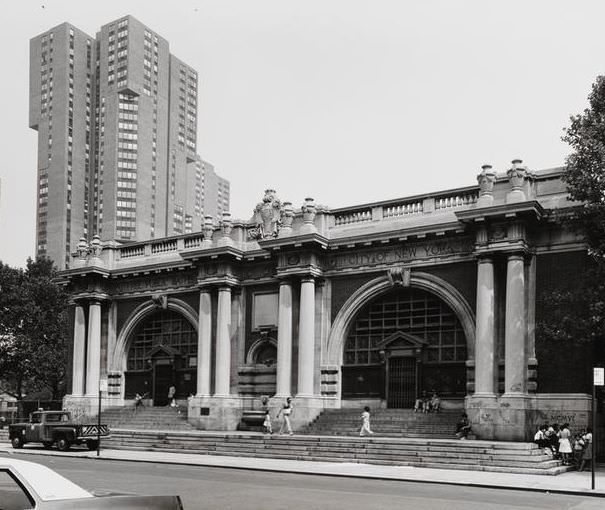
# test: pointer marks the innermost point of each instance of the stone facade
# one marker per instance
(372, 303)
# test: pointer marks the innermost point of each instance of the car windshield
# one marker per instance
(56, 417)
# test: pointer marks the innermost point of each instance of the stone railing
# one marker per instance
(349, 217)
(194, 242)
(127, 252)
(458, 200)
(164, 246)
(402, 209)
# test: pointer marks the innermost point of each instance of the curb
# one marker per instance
(200, 463)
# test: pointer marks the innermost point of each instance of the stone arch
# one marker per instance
(256, 346)
(374, 288)
(120, 352)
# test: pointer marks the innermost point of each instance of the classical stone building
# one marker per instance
(366, 304)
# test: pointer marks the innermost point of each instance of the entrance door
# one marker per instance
(401, 385)
(162, 380)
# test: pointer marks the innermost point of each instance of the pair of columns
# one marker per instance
(222, 374)
(306, 339)
(87, 361)
(515, 331)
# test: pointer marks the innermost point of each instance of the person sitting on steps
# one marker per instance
(422, 403)
(463, 427)
(435, 403)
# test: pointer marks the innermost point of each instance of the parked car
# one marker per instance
(55, 427)
(26, 485)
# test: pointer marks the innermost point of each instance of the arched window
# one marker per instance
(411, 311)
(163, 328)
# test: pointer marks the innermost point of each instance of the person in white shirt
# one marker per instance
(286, 411)
(365, 422)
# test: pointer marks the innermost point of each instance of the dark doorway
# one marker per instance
(163, 378)
(401, 385)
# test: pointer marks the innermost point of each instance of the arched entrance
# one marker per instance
(162, 352)
(402, 342)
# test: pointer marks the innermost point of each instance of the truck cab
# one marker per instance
(50, 427)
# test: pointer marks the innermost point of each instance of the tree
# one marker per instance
(33, 330)
(577, 312)
(585, 169)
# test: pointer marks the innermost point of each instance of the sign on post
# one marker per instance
(103, 385)
(598, 374)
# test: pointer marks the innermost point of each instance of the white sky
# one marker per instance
(347, 101)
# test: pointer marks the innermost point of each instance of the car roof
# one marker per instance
(47, 484)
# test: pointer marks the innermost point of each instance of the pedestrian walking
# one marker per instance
(286, 412)
(564, 443)
(365, 422)
(587, 455)
(267, 427)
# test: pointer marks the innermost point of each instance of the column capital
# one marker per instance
(516, 255)
(307, 279)
(486, 258)
(285, 281)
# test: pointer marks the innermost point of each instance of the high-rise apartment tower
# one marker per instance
(116, 117)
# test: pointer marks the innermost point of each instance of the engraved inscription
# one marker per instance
(405, 253)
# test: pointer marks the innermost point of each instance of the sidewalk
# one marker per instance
(570, 483)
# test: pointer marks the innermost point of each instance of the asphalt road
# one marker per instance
(220, 488)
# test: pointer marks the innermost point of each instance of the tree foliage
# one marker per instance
(577, 312)
(585, 169)
(33, 330)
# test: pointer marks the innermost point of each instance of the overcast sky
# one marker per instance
(347, 101)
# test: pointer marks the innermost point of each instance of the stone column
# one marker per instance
(204, 339)
(485, 338)
(77, 386)
(306, 337)
(223, 343)
(515, 366)
(284, 340)
(93, 358)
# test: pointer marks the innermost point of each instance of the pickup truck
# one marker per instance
(55, 427)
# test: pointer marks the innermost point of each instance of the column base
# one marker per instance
(84, 407)
(304, 409)
(215, 412)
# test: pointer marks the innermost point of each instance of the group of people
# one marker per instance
(426, 404)
(559, 442)
(285, 412)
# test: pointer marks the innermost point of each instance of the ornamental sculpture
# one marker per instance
(267, 217)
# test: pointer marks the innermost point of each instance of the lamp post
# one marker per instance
(102, 387)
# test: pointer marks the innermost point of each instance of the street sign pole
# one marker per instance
(598, 379)
(103, 386)
(99, 426)
(594, 432)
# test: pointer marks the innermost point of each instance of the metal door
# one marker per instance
(401, 382)
(163, 378)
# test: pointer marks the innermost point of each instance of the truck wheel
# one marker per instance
(92, 445)
(47, 444)
(17, 442)
(63, 444)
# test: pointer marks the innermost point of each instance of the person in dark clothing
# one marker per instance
(463, 427)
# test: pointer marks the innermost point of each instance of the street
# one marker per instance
(209, 488)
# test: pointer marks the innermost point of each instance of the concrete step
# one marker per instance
(445, 454)
(147, 418)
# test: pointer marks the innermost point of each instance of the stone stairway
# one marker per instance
(430, 453)
(146, 418)
(387, 423)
